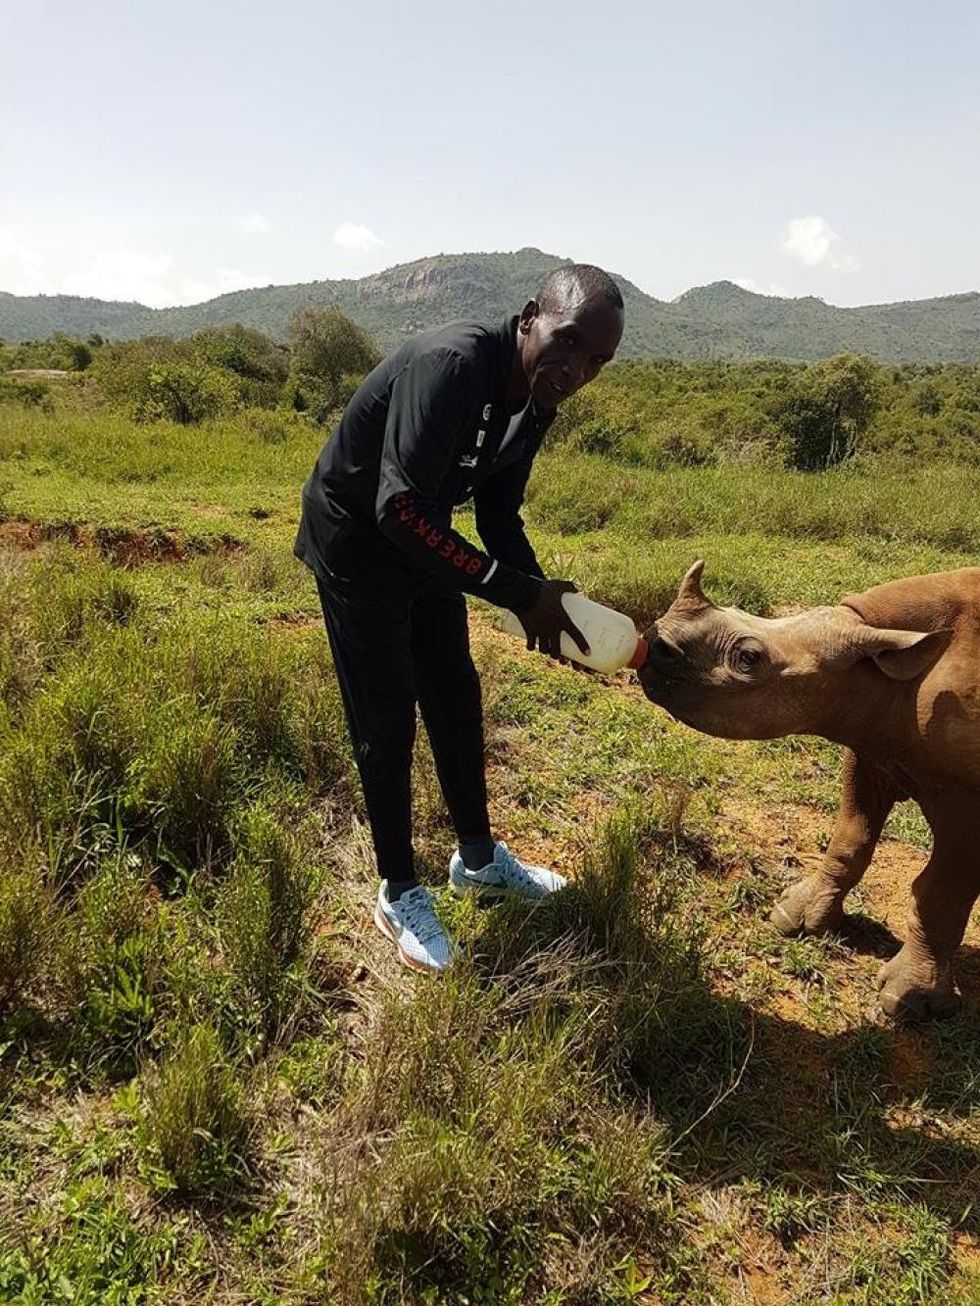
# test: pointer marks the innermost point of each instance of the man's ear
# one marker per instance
(900, 654)
(528, 313)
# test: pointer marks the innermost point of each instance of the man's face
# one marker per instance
(563, 349)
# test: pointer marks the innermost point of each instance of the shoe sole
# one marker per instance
(383, 925)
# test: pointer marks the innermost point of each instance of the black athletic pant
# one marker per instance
(400, 638)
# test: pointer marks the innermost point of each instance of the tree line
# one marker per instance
(642, 413)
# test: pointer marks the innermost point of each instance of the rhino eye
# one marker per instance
(747, 658)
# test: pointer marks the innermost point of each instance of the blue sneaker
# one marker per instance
(412, 925)
(504, 874)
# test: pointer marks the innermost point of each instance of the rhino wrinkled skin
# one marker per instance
(893, 674)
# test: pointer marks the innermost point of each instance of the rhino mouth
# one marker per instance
(656, 680)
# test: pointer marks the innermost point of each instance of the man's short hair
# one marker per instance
(578, 282)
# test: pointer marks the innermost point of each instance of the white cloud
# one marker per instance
(352, 235)
(256, 224)
(814, 242)
(761, 288)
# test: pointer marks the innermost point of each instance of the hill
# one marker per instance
(716, 321)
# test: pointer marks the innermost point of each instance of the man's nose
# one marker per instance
(574, 371)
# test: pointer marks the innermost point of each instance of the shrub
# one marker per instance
(827, 410)
(260, 365)
(30, 394)
(329, 350)
(158, 379)
(184, 393)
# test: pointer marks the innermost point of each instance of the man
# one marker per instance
(457, 412)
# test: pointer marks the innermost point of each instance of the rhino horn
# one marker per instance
(690, 594)
(900, 654)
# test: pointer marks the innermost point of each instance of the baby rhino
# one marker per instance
(894, 675)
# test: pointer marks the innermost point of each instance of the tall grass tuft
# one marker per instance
(186, 778)
(26, 925)
(196, 1122)
(629, 917)
(109, 965)
(148, 733)
(263, 918)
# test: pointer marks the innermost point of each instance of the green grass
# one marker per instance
(216, 1085)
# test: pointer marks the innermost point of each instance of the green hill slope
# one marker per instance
(716, 321)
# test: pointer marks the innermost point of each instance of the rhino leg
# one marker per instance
(816, 905)
(916, 985)
(919, 980)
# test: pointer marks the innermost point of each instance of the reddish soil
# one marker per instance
(123, 545)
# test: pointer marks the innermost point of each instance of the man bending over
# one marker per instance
(455, 413)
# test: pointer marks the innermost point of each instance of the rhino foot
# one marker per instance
(810, 906)
(911, 988)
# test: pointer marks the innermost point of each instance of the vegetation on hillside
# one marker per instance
(642, 414)
(807, 416)
(721, 321)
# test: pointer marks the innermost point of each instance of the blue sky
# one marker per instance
(169, 151)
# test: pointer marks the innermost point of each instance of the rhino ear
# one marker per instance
(901, 654)
(690, 594)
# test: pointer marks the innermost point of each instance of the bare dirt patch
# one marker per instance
(125, 546)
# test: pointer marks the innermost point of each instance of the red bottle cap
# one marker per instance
(639, 654)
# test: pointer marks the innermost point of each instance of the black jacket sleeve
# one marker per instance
(427, 413)
(498, 517)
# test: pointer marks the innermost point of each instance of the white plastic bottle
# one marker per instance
(612, 638)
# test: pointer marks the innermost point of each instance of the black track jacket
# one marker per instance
(427, 429)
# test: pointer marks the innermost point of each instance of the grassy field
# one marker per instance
(217, 1085)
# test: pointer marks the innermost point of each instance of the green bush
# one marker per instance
(184, 393)
(29, 394)
(827, 411)
(329, 353)
(189, 381)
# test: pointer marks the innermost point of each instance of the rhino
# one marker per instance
(893, 674)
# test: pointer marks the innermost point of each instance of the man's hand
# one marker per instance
(543, 624)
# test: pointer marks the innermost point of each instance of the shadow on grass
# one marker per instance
(880, 1111)
(869, 937)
